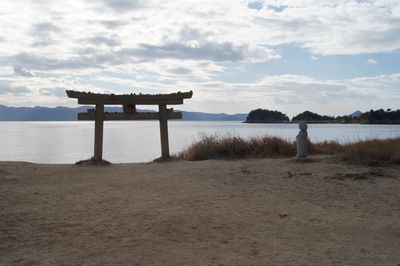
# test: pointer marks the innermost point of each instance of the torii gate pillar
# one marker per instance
(164, 131)
(98, 132)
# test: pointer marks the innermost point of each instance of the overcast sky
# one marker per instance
(327, 56)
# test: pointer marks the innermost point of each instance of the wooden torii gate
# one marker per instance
(129, 102)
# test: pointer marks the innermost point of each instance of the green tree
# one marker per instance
(266, 116)
(310, 116)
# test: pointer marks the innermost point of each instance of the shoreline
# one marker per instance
(319, 122)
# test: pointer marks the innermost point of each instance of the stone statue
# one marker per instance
(302, 139)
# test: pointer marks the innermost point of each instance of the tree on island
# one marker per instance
(266, 116)
(312, 117)
(373, 117)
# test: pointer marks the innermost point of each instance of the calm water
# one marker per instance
(68, 142)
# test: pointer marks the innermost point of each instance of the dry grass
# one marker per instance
(326, 147)
(214, 147)
(373, 151)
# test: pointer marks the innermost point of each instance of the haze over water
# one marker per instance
(68, 142)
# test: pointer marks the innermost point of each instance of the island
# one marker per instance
(266, 116)
(379, 116)
(313, 118)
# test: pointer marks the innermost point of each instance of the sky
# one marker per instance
(326, 56)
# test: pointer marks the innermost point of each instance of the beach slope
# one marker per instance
(215, 212)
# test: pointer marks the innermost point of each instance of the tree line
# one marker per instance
(371, 117)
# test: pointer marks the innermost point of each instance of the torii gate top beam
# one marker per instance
(139, 99)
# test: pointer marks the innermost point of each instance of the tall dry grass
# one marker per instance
(213, 147)
(373, 151)
(232, 147)
(326, 147)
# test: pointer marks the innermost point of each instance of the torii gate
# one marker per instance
(129, 102)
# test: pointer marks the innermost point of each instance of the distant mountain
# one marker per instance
(39, 113)
(70, 114)
(198, 116)
(356, 114)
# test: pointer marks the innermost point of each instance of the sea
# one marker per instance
(139, 141)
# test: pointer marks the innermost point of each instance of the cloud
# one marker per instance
(43, 42)
(291, 94)
(43, 33)
(32, 61)
(87, 59)
(22, 72)
(108, 41)
(257, 5)
(7, 87)
(217, 52)
(58, 92)
(187, 34)
(180, 70)
(45, 27)
(95, 58)
(342, 27)
(277, 8)
(124, 5)
(112, 24)
(19, 90)
(372, 61)
(196, 44)
(210, 51)
(295, 93)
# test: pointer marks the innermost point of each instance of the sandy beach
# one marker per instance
(215, 212)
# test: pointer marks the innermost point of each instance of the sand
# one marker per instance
(215, 212)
